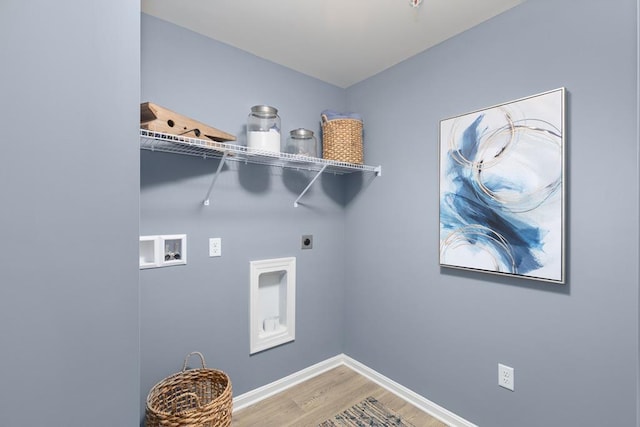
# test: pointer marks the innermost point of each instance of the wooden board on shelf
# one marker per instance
(159, 119)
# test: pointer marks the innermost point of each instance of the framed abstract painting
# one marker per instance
(502, 189)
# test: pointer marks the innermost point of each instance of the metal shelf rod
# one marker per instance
(213, 181)
(295, 204)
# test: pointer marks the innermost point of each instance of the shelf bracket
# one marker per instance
(213, 181)
(295, 204)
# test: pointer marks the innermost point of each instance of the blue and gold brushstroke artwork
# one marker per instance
(502, 189)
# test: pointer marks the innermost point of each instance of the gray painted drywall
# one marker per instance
(204, 305)
(439, 332)
(442, 332)
(69, 85)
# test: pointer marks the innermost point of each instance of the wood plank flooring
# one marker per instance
(321, 397)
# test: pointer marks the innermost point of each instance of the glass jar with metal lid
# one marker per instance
(301, 141)
(263, 128)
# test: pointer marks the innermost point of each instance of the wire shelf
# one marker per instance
(163, 142)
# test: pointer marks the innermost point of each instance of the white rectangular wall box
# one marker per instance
(149, 247)
(174, 249)
(272, 313)
(163, 251)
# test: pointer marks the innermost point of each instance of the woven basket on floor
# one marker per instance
(194, 397)
(342, 140)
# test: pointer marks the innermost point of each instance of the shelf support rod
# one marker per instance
(295, 204)
(213, 181)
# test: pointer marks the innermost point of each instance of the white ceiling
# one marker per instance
(340, 42)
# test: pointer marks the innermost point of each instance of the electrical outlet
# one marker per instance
(505, 376)
(215, 246)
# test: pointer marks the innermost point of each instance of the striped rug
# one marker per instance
(369, 413)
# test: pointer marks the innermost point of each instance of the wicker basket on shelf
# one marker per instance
(194, 397)
(342, 140)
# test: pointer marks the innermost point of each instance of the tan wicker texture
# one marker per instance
(194, 397)
(342, 140)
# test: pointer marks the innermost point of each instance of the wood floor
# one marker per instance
(321, 397)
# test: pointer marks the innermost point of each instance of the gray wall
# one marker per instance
(69, 326)
(69, 85)
(204, 305)
(442, 332)
(439, 332)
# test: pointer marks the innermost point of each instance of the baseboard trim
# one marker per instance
(431, 408)
(268, 390)
(254, 396)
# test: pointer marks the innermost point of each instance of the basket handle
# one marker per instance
(324, 118)
(186, 359)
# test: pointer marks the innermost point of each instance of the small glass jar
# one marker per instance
(263, 128)
(301, 141)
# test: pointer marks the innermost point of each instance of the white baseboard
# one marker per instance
(436, 411)
(254, 396)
